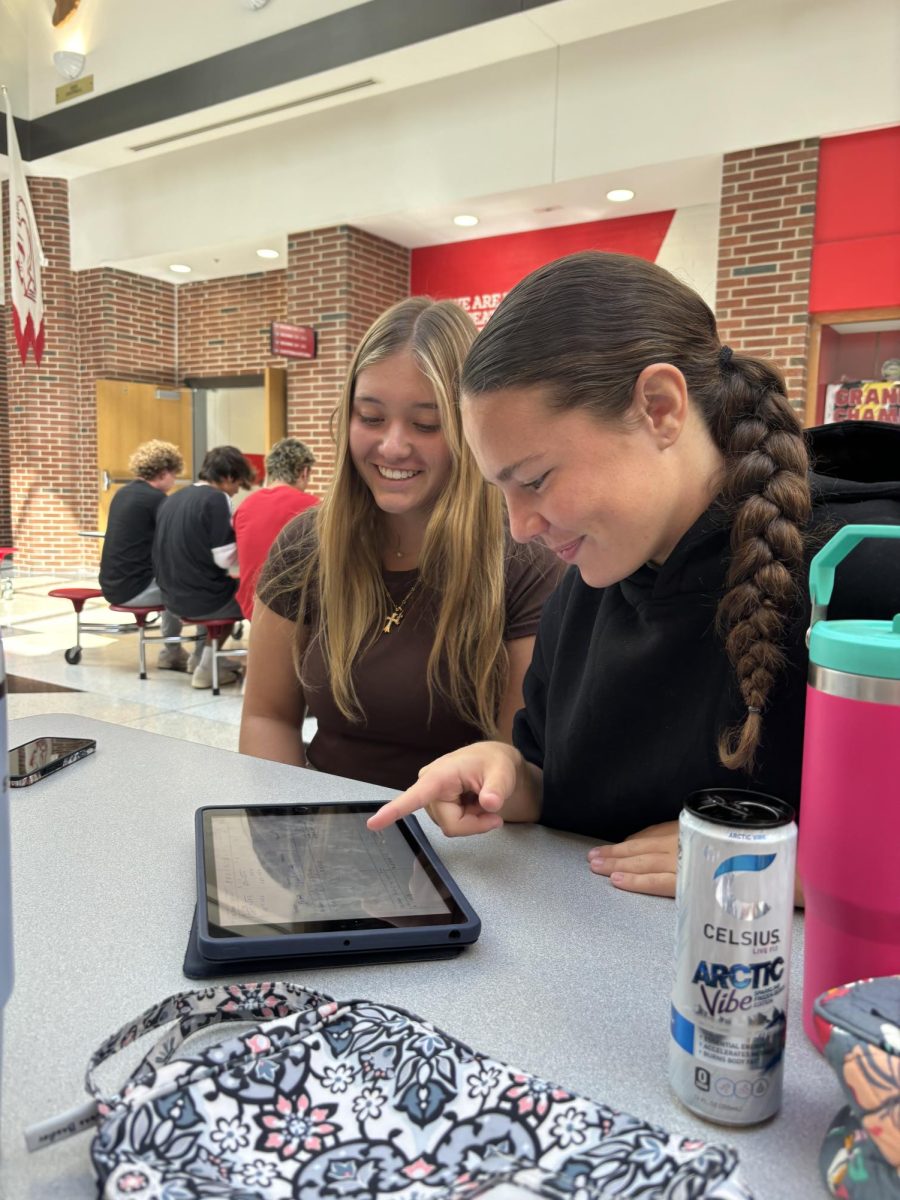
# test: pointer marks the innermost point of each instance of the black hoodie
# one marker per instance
(630, 685)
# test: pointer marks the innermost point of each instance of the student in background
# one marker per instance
(261, 517)
(194, 548)
(399, 612)
(126, 564)
(673, 475)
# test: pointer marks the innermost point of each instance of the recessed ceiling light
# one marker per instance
(180, 268)
(620, 195)
(267, 254)
(465, 219)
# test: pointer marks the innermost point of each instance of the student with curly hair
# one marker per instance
(399, 612)
(673, 476)
(126, 564)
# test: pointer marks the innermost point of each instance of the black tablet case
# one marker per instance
(197, 966)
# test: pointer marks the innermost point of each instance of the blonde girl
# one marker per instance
(399, 614)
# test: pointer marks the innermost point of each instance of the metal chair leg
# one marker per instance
(215, 665)
(73, 654)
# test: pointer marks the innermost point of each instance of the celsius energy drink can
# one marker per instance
(734, 909)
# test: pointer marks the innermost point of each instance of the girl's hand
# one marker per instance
(463, 792)
(645, 862)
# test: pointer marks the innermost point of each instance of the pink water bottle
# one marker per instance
(849, 851)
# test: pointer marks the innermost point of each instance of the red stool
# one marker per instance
(6, 587)
(216, 631)
(78, 598)
(140, 619)
(143, 618)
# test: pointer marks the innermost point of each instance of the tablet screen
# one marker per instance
(313, 868)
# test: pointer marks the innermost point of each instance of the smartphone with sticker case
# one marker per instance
(42, 756)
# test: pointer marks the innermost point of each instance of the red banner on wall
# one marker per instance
(478, 273)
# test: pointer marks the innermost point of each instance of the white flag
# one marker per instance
(25, 254)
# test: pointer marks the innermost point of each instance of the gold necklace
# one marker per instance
(397, 615)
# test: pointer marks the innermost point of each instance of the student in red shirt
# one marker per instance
(259, 519)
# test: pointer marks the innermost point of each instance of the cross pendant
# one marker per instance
(393, 619)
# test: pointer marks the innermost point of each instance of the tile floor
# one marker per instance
(37, 629)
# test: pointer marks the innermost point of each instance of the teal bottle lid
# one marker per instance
(859, 647)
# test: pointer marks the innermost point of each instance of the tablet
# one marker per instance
(291, 880)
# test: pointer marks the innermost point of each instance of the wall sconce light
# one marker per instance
(69, 64)
(253, 5)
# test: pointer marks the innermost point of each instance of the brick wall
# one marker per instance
(338, 280)
(108, 324)
(45, 408)
(126, 330)
(5, 319)
(5, 515)
(223, 324)
(765, 251)
(101, 324)
(126, 327)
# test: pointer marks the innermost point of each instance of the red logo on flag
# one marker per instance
(24, 251)
(25, 255)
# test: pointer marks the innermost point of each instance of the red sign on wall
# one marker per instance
(856, 246)
(293, 341)
(478, 273)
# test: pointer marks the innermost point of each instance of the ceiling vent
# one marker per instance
(260, 112)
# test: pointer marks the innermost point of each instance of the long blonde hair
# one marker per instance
(462, 559)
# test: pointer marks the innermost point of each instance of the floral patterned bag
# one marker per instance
(357, 1099)
(860, 1026)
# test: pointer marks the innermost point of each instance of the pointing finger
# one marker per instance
(421, 793)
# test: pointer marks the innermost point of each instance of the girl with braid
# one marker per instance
(672, 474)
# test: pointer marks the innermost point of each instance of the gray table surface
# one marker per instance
(570, 978)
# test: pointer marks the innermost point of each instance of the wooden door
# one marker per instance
(129, 414)
(275, 406)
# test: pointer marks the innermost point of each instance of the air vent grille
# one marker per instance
(260, 112)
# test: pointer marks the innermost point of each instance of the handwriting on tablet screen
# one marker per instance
(323, 868)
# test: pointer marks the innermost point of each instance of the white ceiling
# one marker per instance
(109, 33)
(579, 96)
(657, 188)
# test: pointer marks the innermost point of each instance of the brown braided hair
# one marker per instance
(583, 328)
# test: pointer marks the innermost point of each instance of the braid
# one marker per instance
(766, 493)
(583, 328)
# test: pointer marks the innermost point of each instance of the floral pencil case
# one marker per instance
(859, 1024)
